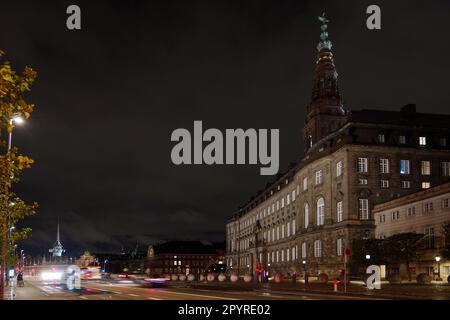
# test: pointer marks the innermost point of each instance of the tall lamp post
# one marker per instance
(15, 119)
(438, 261)
(305, 275)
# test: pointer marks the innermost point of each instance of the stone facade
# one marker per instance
(424, 212)
(352, 162)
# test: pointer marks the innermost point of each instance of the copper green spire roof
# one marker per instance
(325, 43)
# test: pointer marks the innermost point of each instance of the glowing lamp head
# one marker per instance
(304, 261)
(17, 120)
(438, 258)
(368, 256)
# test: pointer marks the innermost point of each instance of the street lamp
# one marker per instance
(367, 256)
(16, 119)
(438, 261)
(305, 275)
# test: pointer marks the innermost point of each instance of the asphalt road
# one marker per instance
(109, 290)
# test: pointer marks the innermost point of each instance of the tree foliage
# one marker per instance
(13, 88)
(445, 252)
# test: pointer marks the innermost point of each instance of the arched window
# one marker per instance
(306, 215)
(318, 248)
(320, 211)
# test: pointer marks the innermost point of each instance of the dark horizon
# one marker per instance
(108, 97)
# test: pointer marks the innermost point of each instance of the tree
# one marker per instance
(403, 248)
(13, 88)
(445, 252)
(363, 247)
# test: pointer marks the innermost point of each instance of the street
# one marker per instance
(108, 290)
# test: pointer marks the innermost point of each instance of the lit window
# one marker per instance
(305, 183)
(425, 185)
(282, 203)
(318, 248)
(364, 209)
(320, 211)
(304, 253)
(423, 141)
(406, 184)
(282, 231)
(278, 205)
(362, 181)
(362, 164)
(293, 195)
(404, 167)
(443, 142)
(339, 247)
(384, 183)
(293, 227)
(339, 212)
(339, 169)
(382, 218)
(402, 139)
(306, 215)
(445, 166)
(318, 177)
(384, 165)
(381, 138)
(426, 168)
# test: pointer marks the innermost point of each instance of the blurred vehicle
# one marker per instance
(90, 273)
(156, 280)
(126, 278)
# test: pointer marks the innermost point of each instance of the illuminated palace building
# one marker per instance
(353, 161)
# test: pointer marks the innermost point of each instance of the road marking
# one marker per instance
(271, 295)
(153, 298)
(133, 295)
(199, 295)
(83, 297)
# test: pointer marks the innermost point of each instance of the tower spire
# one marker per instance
(57, 233)
(325, 43)
(325, 112)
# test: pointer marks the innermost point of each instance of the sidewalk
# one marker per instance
(387, 291)
(27, 292)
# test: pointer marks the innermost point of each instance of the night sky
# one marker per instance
(109, 96)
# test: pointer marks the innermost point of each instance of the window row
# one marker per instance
(405, 167)
(422, 140)
(280, 232)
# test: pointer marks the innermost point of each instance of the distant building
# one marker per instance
(86, 259)
(57, 250)
(423, 212)
(353, 160)
(183, 257)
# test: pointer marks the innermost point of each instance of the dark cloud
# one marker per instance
(109, 96)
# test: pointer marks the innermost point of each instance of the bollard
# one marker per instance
(335, 285)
